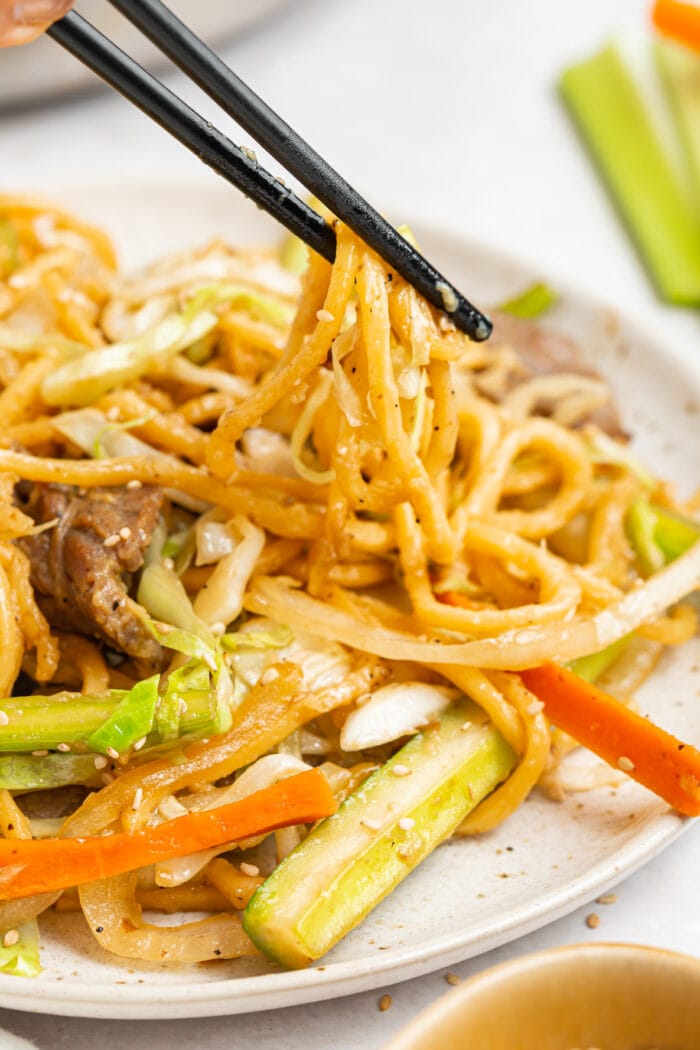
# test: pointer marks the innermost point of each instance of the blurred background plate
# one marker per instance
(43, 69)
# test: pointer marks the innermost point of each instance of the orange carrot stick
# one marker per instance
(680, 21)
(623, 738)
(36, 865)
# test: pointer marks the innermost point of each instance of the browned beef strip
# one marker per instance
(545, 351)
(79, 581)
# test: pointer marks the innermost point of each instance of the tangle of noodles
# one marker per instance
(333, 462)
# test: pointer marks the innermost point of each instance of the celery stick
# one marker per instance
(680, 75)
(352, 860)
(606, 103)
(591, 667)
(30, 772)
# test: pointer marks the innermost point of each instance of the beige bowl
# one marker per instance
(608, 996)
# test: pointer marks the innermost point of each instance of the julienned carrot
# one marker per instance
(680, 21)
(622, 737)
(29, 866)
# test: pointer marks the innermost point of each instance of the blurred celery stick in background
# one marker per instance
(609, 103)
(680, 75)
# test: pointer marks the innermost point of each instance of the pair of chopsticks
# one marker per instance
(238, 165)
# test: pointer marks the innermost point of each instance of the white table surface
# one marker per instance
(447, 112)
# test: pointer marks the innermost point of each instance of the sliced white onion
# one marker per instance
(214, 541)
(394, 710)
(221, 600)
(513, 650)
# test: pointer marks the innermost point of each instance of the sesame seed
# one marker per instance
(112, 753)
(453, 978)
(535, 707)
(269, 676)
(465, 726)
(107, 778)
(164, 628)
(406, 823)
(10, 938)
(100, 762)
(325, 315)
(249, 869)
(63, 747)
(111, 541)
(385, 1003)
(371, 825)
(168, 564)
(113, 414)
(470, 792)
(593, 921)
(134, 484)
(40, 754)
(607, 898)
(217, 628)
(4, 718)
(125, 532)
(139, 743)
(138, 798)
(625, 763)
(401, 771)
(404, 851)
(362, 700)
(182, 707)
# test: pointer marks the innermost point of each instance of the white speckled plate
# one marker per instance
(471, 895)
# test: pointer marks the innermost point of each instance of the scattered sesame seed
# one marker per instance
(607, 898)
(63, 747)
(100, 762)
(593, 921)
(112, 753)
(41, 753)
(324, 315)
(625, 763)
(401, 771)
(453, 978)
(107, 778)
(249, 153)
(125, 532)
(362, 700)
(406, 823)
(269, 676)
(138, 799)
(134, 484)
(164, 628)
(535, 707)
(404, 851)
(139, 743)
(168, 564)
(182, 707)
(465, 726)
(249, 869)
(111, 541)
(217, 628)
(10, 938)
(4, 718)
(385, 1003)
(113, 414)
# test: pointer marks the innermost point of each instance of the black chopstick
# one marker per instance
(125, 75)
(171, 36)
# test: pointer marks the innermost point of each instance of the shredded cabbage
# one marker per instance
(83, 380)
